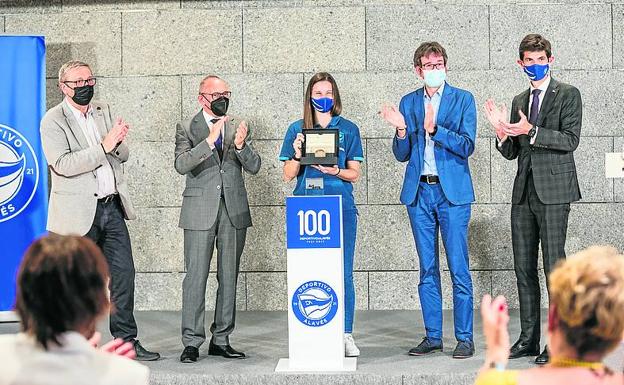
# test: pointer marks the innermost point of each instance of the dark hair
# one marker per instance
(426, 49)
(309, 118)
(61, 286)
(534, 43)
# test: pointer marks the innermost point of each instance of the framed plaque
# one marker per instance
(320, 146)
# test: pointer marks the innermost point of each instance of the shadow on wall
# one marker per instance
(484, 236)
(58, 54)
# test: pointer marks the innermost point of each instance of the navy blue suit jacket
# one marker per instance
(454, 143)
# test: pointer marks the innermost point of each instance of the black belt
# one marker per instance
(430, 179)
(108, 198)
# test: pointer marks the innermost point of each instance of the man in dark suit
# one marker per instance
(543, 132)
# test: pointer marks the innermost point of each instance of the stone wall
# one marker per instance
(150, 55)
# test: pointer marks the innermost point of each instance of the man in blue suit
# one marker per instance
(435, 133)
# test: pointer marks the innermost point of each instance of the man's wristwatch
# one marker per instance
(295, 157)
(532, 132)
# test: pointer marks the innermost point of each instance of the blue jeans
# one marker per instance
(349, 230)
(432, 212)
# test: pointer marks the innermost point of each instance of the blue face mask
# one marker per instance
(536, 72)
(323, 104)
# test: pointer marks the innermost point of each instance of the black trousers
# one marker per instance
(110, 233)
(532, 223)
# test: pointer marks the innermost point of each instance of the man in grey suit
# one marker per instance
(212, 150)
(544, 131)
(85, 151)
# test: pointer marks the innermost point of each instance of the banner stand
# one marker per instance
(315, 277)
(23, 168)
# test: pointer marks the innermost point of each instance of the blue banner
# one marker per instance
(23, 169)
(313, 222)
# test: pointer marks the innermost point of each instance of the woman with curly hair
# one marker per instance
(585, 323)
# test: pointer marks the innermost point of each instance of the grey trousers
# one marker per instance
(198, 248)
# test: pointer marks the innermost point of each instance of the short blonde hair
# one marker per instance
(587, 291)
(69, 66)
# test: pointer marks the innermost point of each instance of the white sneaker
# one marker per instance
(350, 349)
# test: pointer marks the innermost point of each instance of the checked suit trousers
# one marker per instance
(532, 223)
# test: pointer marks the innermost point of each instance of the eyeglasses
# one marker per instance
(430, 66)
(81, 83)
(217, 95)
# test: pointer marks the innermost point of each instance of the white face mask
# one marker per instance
(434, 78)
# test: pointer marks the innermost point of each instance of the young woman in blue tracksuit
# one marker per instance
(322, 108)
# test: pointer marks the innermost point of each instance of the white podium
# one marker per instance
(315, 286)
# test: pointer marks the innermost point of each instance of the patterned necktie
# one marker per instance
(534, 107)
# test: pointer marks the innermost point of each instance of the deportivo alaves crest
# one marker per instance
(19, 173)
(11, 176)
(315, 303)
(313, 306)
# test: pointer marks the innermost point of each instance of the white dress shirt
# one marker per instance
(429, 164)
(104, 174)
(543, 87)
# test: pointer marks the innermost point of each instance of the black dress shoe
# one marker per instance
(224, 351)
(523, 349)
(543, 358)
(425, 347)
(143, 354)
(190, 354)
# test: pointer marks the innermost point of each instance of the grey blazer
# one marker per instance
(72, 162)
(207, 176)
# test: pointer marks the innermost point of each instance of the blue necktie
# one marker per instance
(219, 142)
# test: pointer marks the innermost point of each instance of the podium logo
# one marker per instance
(19, 173)
(315, 303)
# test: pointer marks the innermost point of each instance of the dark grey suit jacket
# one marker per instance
(207, 176)
(551, 157)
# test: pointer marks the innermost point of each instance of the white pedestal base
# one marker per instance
(8, 316)
(349, 364)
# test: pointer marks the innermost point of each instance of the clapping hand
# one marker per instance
(117, 346)
(497, 118)
(429, 122)
(495, 319)
(241, 135)
(521, 128)
(216, 130)
(391, 114)
(116, 135)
